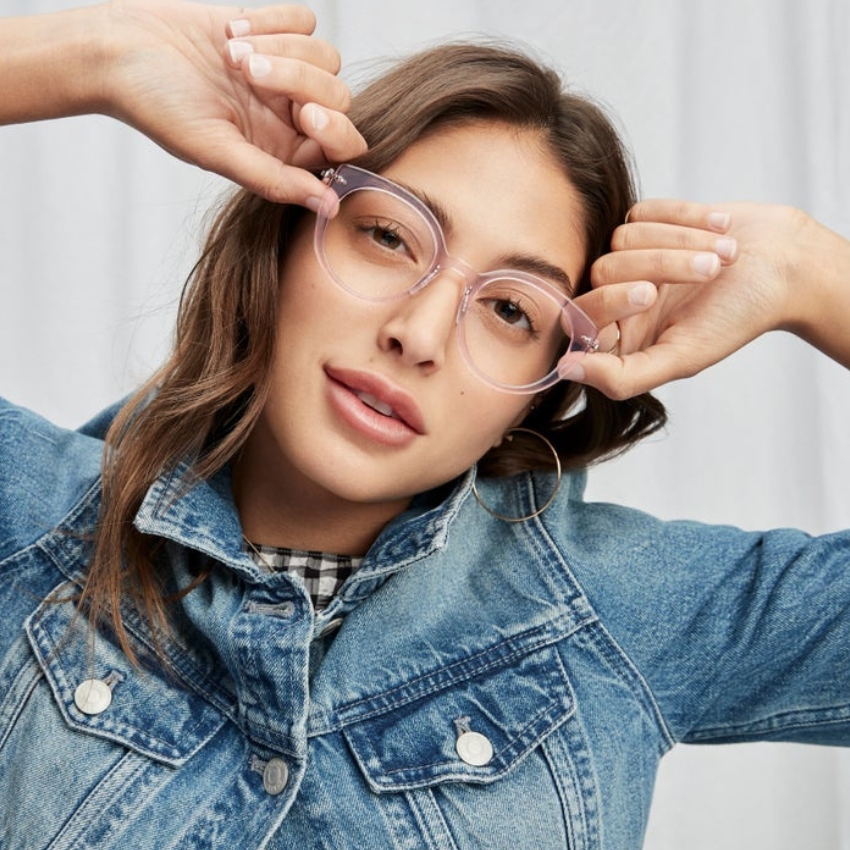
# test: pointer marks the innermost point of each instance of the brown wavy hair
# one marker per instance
(202, 404)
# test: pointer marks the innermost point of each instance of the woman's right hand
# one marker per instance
(249, 94)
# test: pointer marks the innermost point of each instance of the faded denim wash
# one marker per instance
(581, 645)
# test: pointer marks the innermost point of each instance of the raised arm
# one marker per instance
(249, 94)
(720, 277)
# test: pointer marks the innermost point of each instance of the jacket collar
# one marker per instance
(201, 515)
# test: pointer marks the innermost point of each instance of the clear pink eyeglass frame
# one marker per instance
(346, 179)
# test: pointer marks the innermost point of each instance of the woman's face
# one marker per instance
(343, 363)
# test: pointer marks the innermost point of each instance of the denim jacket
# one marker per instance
(476, 684)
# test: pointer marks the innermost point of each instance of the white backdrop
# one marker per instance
(722, 100)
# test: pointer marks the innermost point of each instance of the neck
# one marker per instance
(284, 510)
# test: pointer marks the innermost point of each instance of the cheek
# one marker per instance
(303, 305)
(486, 416)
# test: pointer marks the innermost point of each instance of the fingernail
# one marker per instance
(239, 50)
(706, 264)
(642, 294)
(259, 66)
(719, 221)
(317, 116)
(239, 27)
(726, 248)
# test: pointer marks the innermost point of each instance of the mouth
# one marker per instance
(379, 398)
(376, 404)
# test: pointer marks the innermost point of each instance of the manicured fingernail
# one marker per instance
(642, 294)
(726, 248)
(239, 27)
(239, 50)
(259, 66)
(719, 221)
(317, 116)
(706, 264)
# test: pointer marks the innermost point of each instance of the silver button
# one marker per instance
(331, 627)
(474, 748)
(93, 696)
(275, 776)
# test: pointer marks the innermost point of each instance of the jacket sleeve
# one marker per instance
(44, 472)
(738, 635)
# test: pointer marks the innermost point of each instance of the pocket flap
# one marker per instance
(419, 743)
(145, 710)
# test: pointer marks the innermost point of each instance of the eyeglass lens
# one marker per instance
(380, 247)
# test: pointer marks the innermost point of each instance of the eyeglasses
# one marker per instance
(513, 328)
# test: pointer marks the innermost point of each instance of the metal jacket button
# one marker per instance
(474, 748)
(275, 776)
(92, 696)
(331, 627)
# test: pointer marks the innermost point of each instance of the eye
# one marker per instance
(510, 312)
(387, 235)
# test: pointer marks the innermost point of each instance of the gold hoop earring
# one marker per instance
(509, 437)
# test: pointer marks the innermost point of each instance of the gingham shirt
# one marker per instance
(323, 573)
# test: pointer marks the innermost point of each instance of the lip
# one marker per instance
(345, 386)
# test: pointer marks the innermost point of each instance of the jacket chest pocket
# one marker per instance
(472, 728)
(89, 743)
(493, 758)
(98, 692)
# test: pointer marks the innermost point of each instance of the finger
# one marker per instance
(303, 48)
(264, 174)
(687, 213)
(608, 304)
(637, 236)
(659, 265)
(336, 138)
(288, 18)
(302, 82)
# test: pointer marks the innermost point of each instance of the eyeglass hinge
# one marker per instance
(332, 175)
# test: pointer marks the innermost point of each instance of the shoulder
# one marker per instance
(44, 472)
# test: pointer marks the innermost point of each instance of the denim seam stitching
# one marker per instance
(551, 724)
(105, 727)
(776, 722)
(447, 678)
(636, 681)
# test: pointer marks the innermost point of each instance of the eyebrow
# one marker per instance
(541, 268)
(519, 262)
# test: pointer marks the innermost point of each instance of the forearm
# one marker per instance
(51, 65)
(819, 291)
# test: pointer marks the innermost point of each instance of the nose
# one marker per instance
(419, 328)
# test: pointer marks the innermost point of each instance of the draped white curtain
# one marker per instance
(721, 100)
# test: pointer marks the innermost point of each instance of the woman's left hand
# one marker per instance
(687, 284)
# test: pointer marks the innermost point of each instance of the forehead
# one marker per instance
(502, 192)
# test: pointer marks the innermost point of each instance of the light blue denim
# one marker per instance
(582, 645)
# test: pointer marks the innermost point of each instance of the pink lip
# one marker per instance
(410, 420)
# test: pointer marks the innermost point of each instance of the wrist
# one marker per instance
(52, 65)
(818, 280)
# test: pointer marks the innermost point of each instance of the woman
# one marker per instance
(504, 664)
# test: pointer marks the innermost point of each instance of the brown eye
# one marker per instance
(386, 237)
(509, 312)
